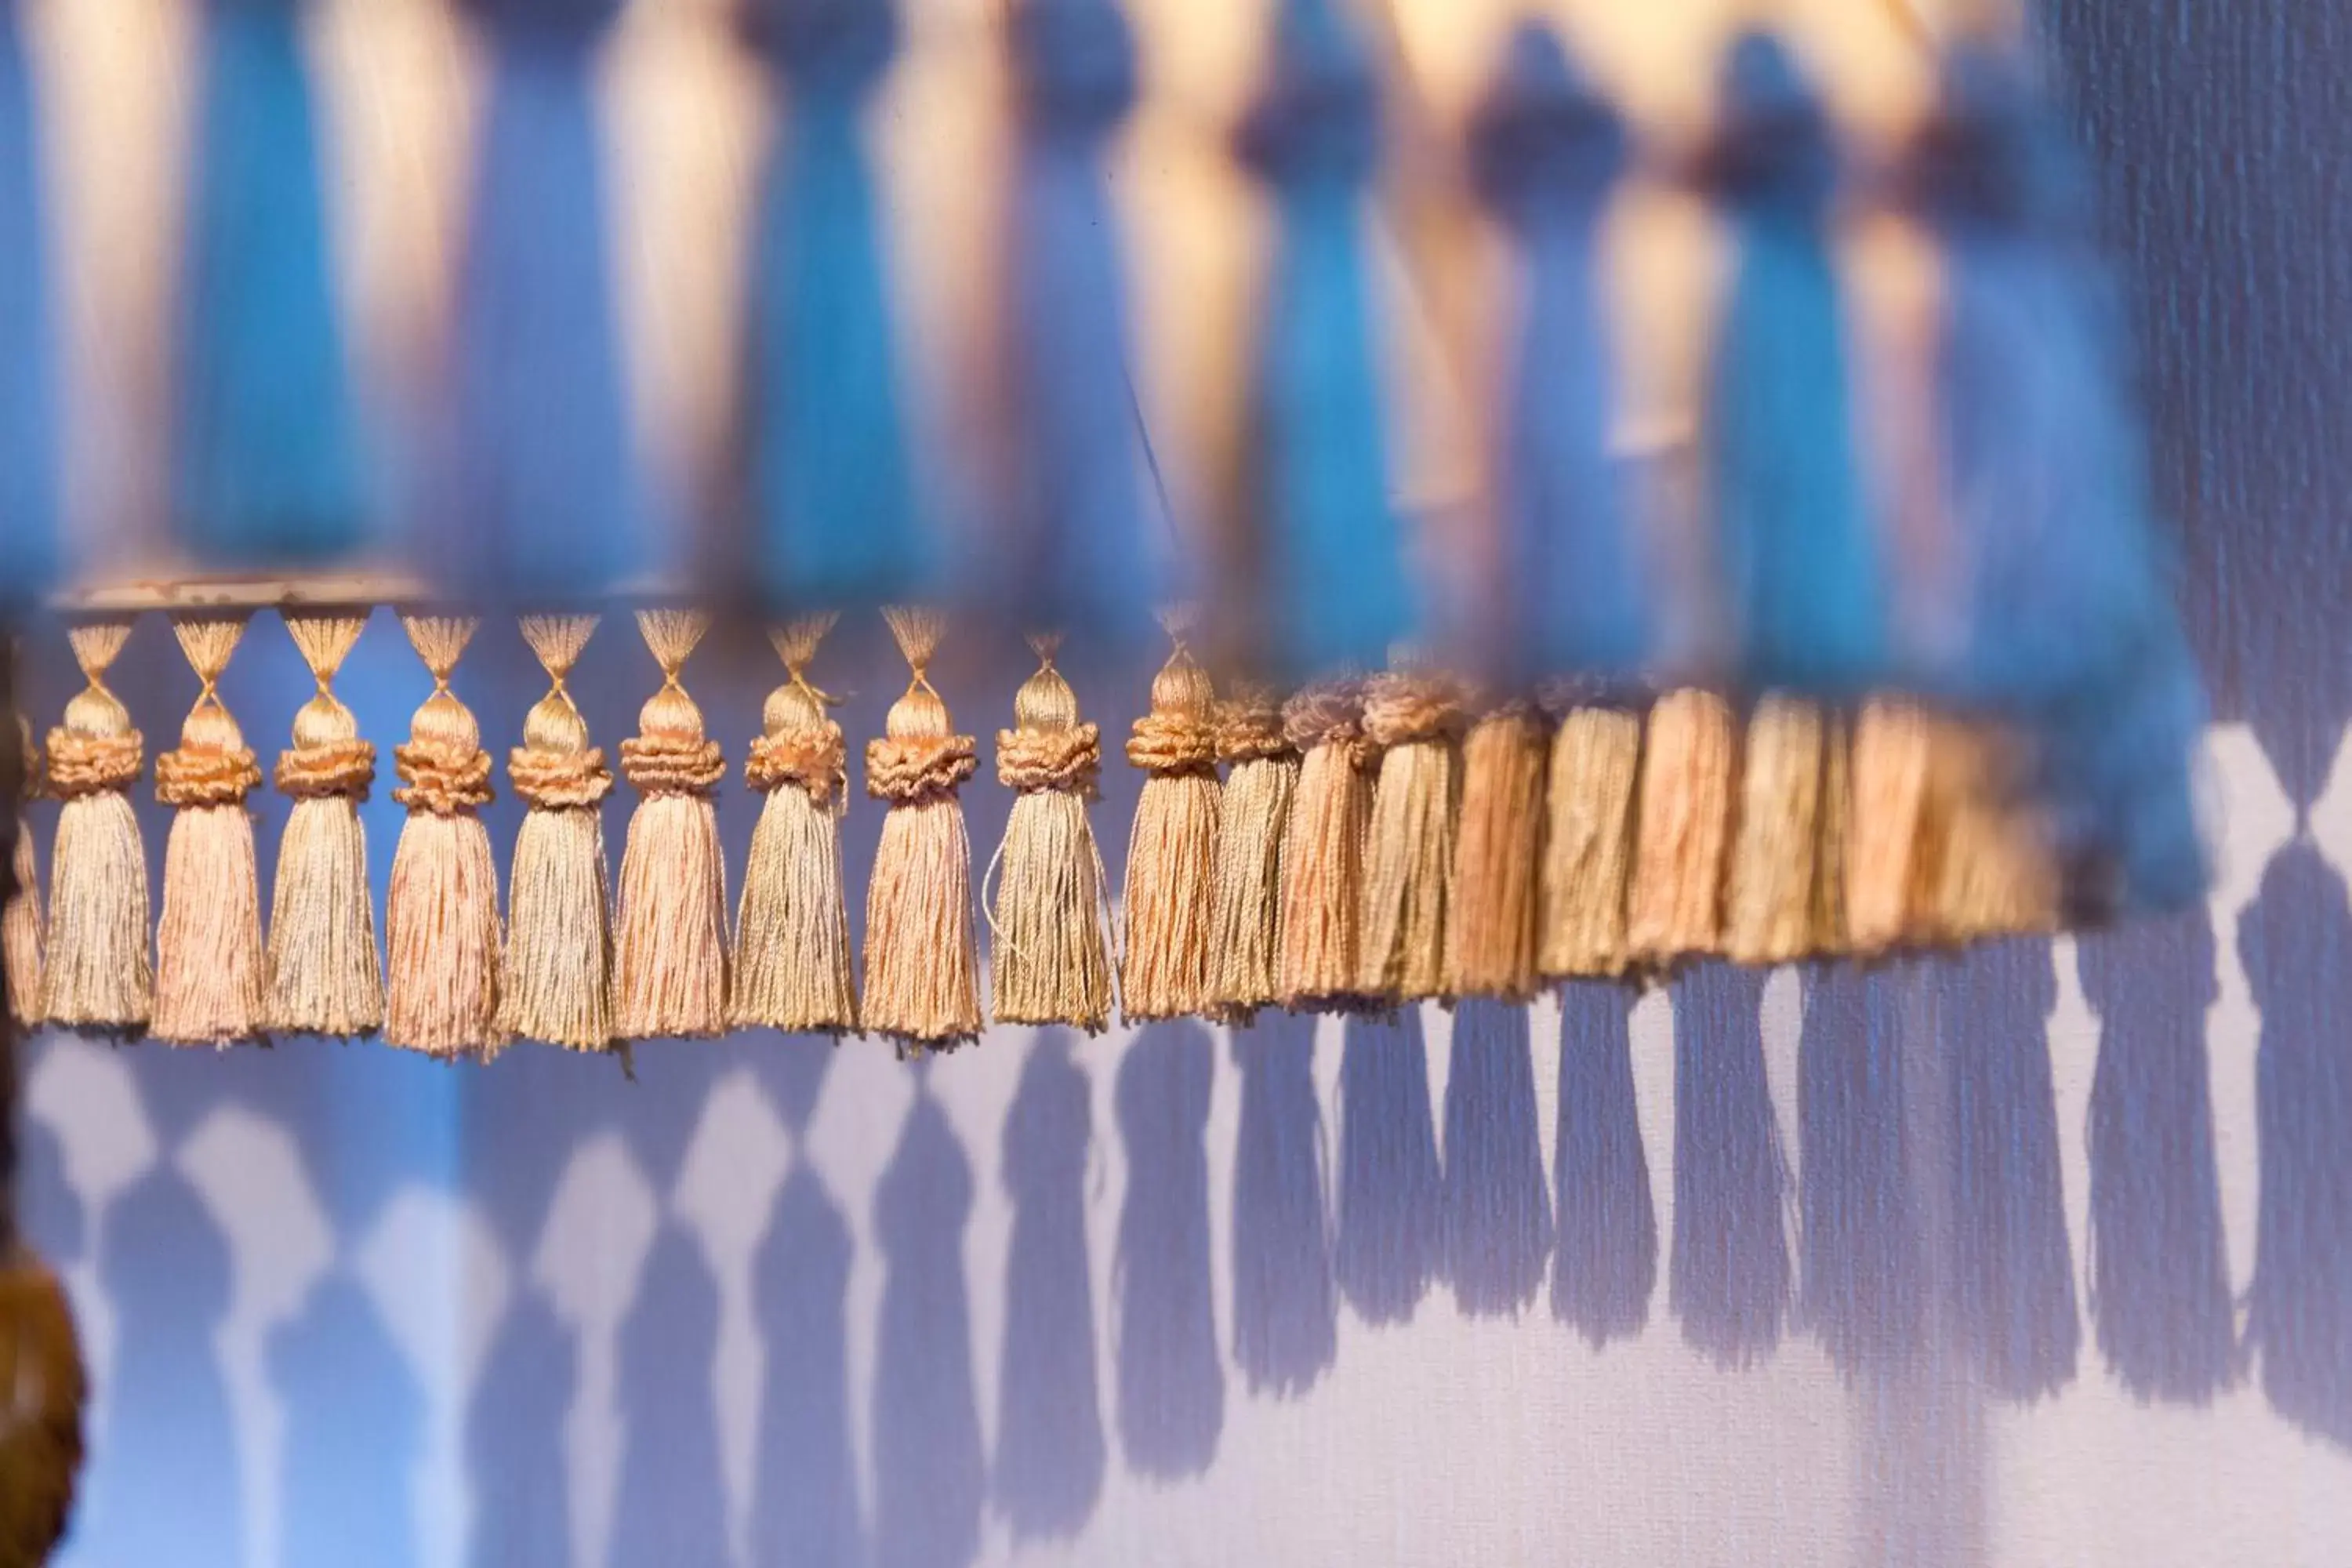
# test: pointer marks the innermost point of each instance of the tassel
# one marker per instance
(1323, 848)
(1588, 843)
(441, 916)
(267, 467)
(1834, 840)
(1416, 718)
(1253, 818)
(836, 520)
(1333, 565)
(792, 938)
(548, 503)
(1051, 963)
(1892, 754)
(20, 925)
(919, 981)
(558, 986)
(1995, 874)
(1769, 899)
(1688, 768)
(669, 975)
(210, 978)
(30, 442)
(325, 975)
(1799, 561)
(1171, 853)
(1498, 858)
(98, 976)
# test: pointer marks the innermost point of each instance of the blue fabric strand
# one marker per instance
(29, 543)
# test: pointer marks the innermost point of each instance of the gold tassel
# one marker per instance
(326, 976)
(791, 938)
(1683, 829)
(920, 983)
(210, 983)
(1051, 963)
(1588, 844)
(1834, 840)
(1323, 848)
(1499, 857)
(670, 977)
(1769, 899)
(441, 918)
(1253, 814)
(1996, 874)
(558, 986)
(1885, 869)
(20, 924)
(1171, 851)
(98, 976)
(1416, 717)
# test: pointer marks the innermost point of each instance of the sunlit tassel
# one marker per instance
(267, 467)
(1323, 848)
(1588, 843)
(1332, 567)
(21, 936)
(1769, 901)
(792, 937)
(1996, 874)
(833, 514)
(669, 975)
(98, 976)
(1416, 717)
(326, 976)
(210, 978)
(1498, 856)
(30, 435)
(558, 986)
(1253, 817)
(1170, 907)
(1052, 964)
(921, 984)
(1891, 751)
(1690, 769)
(1833, 839)
(441, 916)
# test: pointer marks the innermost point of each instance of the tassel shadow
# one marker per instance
(1285, 1310)
(1498, 1226)
(1606, 1263)
(1390, 1189)
(1729, 1279)
(1172, 1385)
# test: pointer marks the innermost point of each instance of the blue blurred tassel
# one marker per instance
(268, 457)
(29, 543)
(835, 518)
(1797, 551)
(549, 501)
(2116, 769)
(1573, 594)
(1073, 546)
(1333, 568)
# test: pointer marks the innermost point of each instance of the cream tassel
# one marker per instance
(558, 986)
(20, 925)
(326, 976)
(1588, 844)
(1834, 841)
(1051, 964)
(1171, 851)
(670, 977)
(98, 976)
(792, 940)
(1996, 874)
(920, 984)
(1416, 717)
(1253, 816)
(1323, 849)
(1683, 829)
(210, 984)
(1498, 857)
(1886, 871)
(441, 918)
(1769, 904)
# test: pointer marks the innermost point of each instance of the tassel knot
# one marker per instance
(1320, 118)
(1543, 136)
(1066, 759)
(905, 770)
(559, 781)
(1988, 155)
(444, 777)
(1250, 730)
(330, 769)
(199, 777)
(1403, 707)
(82, 765)
(1773, 147)
(671, 764)
(571, 22)
(1077, 64)
(844, 46)
(814, 758)
(1331, 713)
(1172, 743)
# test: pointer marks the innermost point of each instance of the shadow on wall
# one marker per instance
(1286, 1307)
(349, 1485)
(670, 1506)
(1171, 1382)
(806, 1509)
(1728, 1276)
(1499, 1226)
(1390, 1190)
(1605, 1265)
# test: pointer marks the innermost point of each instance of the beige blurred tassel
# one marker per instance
(1254, 813)
(1051, 963)
(1171, 852)
(922, 986)
(558, 986)
(791, 938)
(1498, 857)
(1323, 849)
(1683, 829)
(20, 924)
(1996, 872)
(441, 918)
(1416, 717)
(671, 970)
(1887, 872)
(1769, 899)
(326, 976)
(1587, 843)
(98, 976)
(210, 984)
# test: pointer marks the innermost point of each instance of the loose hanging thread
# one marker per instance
(920, 967)
(1323, 849)
(1254, 813)
(211, 977)
(1171, 853)
(441, 917)
(1052, 964)
(558, 986)
(670, 965)
(326, 976)
(98, 976)
(792, 937)
(1689, 768)
(1498, 856)
(1596, 767)
(21, 937)
(1416, 717)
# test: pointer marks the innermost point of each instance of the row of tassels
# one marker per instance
(1371, 842)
